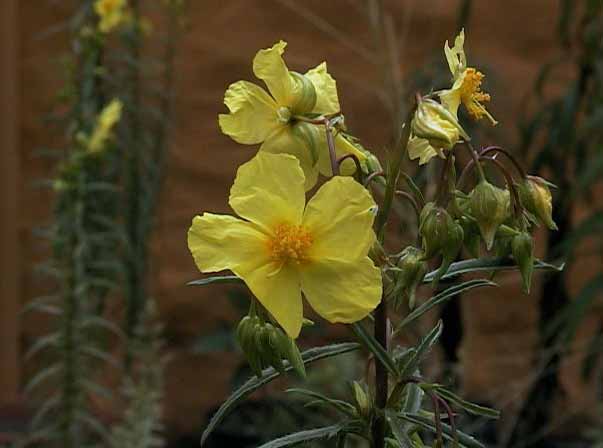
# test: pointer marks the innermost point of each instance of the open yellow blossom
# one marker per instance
(467, 83)
(283, 247)
(256, 117)
(112, 14)
(105, 122)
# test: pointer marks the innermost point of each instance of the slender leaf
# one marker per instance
(305, 436)
(443, 297)
(374, 347)
(465, 440)
(421, 350)
(340, 405)
(311, 355)
(398, 429)
(472, 408)
(216, 279)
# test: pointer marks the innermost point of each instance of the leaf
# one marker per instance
(443, 297)
(374, 347)
(398, 429)
(43, 376)
(487, 264)
(465, 440)
(421, 350)
(472, 408)
(50, 340)
(340, 405)
(305, 436)
(216, 279)
(311, 355)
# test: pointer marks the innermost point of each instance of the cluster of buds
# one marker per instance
(265, 345)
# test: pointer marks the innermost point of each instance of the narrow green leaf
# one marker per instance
(311, 355)
(398, 429)
(216, 279)
(305, 436)
(340, 405)
(421, 350)
(374, 347)
(488, 264)
(465, 440)
(472, 408)
(43, 376)
(442, 297)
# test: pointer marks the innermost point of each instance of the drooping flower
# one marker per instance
(434, 129)
(467, 81)
(257, 117)
(112, 14)
(283, 247)
(105, 122)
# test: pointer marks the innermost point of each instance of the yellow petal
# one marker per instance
(269, 190)
(219, 242)
(327, 101)
(269, 66)
(451, 98)
(342, 147)
(455, 56)
(279, 293)
(342, 291)
(285, 141)
(252, 114)
(420, 148)
(340, 218)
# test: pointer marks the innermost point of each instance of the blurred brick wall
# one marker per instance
(512, 38)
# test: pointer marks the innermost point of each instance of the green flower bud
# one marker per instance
(450, 250)
(536, 197)
(294, 356)
(522, 247)
(413, 268)
(304, 96)
(489, 208)
(363, 403)
(308, 134)
(471, 236)
(438, 125)
(246, 336)
(272, 349)
(435, 224)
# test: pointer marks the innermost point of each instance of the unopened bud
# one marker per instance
(522, 247)
(304, 98)
(450, 250)
(471, 235)
(413, 268)
(490, 208)
(535, 196)
(435, 225)
(435, 123)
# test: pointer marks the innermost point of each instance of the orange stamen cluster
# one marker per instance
(471, 93)
(290, 243)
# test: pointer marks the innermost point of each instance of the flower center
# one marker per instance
(472, 95)
(290, 243)
(284, 114)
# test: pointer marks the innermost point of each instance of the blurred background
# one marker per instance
(534, 357)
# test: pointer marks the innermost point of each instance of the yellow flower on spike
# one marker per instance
(105, 122)
(283, 247)
(112, 14)
(467, 81)
(257, 117)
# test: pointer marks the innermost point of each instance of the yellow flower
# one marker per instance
(105, 122)
(112, 14)
(467, 82)
(257, 117)
(434, 129)
(283, 247)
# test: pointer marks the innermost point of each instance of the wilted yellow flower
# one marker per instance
(433, 130)
(467, 82)
(258, 117)
(105, 122)
(284, 247)
(112, 14)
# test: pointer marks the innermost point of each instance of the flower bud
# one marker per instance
(308, 134)
(490, 209)
(435, 123)
(435, 224)
(522, 247)
(450, 250)
(413, 268)
(535, 196)
(471, 235)
(305, 94)
(291, 352)
(246, 332)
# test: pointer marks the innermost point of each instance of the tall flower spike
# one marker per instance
(467, 81)
(258, 117)
(283, 247)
